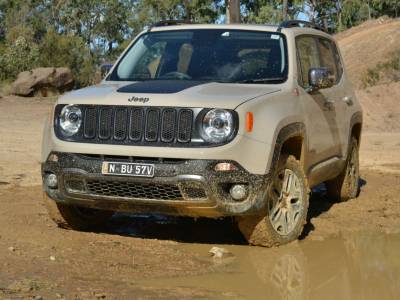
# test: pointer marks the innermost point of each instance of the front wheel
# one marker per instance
(74, 217)
(287, 197)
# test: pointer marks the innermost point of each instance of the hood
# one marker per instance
(177, 93)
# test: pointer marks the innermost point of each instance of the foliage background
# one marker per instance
(82, 34)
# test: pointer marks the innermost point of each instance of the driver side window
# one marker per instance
(328, 58)
(317, 52)
(308, 58)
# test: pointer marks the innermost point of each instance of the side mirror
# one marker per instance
(320, 78)
(105, 69)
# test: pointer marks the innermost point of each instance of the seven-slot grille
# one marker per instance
(136, 125)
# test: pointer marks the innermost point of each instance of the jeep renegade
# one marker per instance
(208, 121)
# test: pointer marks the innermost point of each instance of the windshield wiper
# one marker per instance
(263, 80)
(136, 79)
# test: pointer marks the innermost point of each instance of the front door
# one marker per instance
(320, 107)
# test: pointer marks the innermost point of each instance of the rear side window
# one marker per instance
(308, 56)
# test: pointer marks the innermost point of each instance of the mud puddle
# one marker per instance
(154, 257)
(351, 266)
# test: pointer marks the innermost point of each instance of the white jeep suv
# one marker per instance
(208, 121)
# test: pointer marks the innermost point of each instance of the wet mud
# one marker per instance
(347, 251)
(351, 266)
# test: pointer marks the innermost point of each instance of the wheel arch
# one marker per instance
(291, 140)
(355, 129)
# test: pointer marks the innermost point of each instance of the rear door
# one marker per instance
(320, 107)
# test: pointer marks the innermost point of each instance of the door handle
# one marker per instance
(329, 104)
(348, 100)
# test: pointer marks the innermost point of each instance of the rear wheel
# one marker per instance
(345, 186)
(75, 217)
(287, 196)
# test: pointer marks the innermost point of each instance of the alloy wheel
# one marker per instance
(286, 202)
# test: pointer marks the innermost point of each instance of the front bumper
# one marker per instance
(180, 186)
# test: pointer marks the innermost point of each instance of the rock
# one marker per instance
(43, 82)
(52, 258)
(218, 252)
(12, 249)
(100, 295)
(38, 297)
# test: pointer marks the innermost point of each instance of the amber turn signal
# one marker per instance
(249, 122)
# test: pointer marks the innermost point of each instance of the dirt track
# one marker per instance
(133, 252)
(348, 250)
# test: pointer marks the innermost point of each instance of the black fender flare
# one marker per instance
(285, 133)
(356, 118)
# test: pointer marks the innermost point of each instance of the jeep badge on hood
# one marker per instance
(138, 99)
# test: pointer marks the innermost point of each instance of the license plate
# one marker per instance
(128, 169)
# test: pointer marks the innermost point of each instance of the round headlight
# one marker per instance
(70, 120)
(218, 125)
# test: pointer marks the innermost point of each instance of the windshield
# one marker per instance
(205, 55)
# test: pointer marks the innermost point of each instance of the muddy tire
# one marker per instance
(287, 199)
(73, 217)
(345, 186)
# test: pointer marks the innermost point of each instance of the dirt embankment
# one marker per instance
(364, 47)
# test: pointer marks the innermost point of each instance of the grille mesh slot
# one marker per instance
(90, 123)
(152, 125)
(134, 190)
(137, 125)
(185, 126)
(120, 125)
(105, 123)
(168, 125)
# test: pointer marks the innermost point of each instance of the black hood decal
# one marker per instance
(159, 86)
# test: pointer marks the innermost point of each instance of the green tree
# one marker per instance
(351, 13)
(267, 14)
(67, 50)
(270, 12)
(2, 20)
(390, 8)
(82, 17)
(147, 12)
(20, 55)
(81, 34)
(113, 26)
(201, 11)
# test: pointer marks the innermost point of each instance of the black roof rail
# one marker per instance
(169, 23)
(298, 23)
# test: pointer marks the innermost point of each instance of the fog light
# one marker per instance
(51, 180)
(238, 191)
(225, 167)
